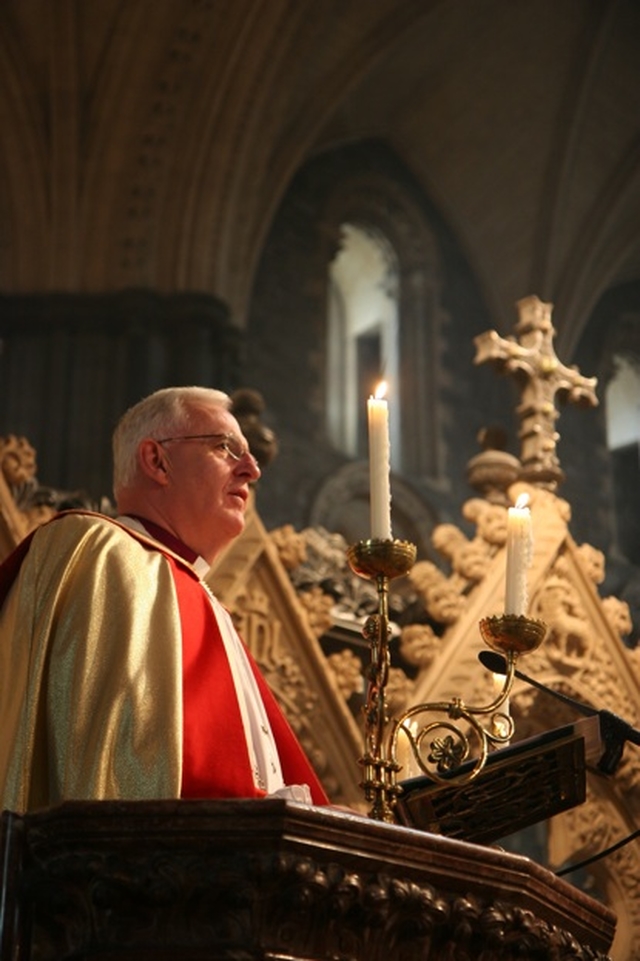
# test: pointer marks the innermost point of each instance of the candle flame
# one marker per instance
(522, 501)
(381, 390)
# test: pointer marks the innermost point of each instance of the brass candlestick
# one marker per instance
(379, 560)
(510, 635)
(436, 756)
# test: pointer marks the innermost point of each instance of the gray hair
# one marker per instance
(161, 414)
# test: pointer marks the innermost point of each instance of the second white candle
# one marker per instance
(519, 556)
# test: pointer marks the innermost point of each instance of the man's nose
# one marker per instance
(247, 464)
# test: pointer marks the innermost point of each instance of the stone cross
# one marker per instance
(541, 379)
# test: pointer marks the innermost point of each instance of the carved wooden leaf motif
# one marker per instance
(286, 905)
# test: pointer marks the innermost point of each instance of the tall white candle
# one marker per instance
(519, 554)
(379, 464)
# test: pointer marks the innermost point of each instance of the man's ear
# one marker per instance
(153, 461)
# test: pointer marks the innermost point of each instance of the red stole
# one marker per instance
(215, 758)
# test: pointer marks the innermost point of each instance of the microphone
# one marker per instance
(497, 664)
(614, 730)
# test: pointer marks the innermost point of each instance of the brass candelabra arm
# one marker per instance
(438, 747)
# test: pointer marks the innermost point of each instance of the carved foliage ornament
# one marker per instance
(260, 903)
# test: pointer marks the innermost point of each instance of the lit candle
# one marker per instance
(379, 464)
(519, 553)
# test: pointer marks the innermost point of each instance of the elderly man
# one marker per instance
(121, 675)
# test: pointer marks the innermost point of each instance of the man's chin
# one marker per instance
(228, 526)
(233, 524)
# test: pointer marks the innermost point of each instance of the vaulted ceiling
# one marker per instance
(150, 142)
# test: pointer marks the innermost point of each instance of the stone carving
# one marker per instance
(490, 520)
(263, 635)
(18, 462)
(586, 830)
(440, 594)
(541, 377)
(291, 546)
(583, 655)
(24, 502)
(318, 606)
(469, 558)
(399, 690)
(347, 670)
(18, 467)
(494, 469)
(569, 638)
(317, 560)
(37, 503)
(419, 645)
(618, 615)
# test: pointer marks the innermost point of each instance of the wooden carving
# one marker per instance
(247, 879)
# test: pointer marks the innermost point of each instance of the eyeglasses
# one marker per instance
(230, 446)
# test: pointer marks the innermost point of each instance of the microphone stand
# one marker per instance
(614, 730)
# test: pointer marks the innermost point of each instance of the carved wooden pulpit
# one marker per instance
(241, 880)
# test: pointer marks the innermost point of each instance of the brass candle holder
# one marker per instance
(379, 560)
(436, 756)
(510, 635)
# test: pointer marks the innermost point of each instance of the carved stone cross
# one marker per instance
(541, 379)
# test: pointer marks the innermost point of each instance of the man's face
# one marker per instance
(208, 487)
